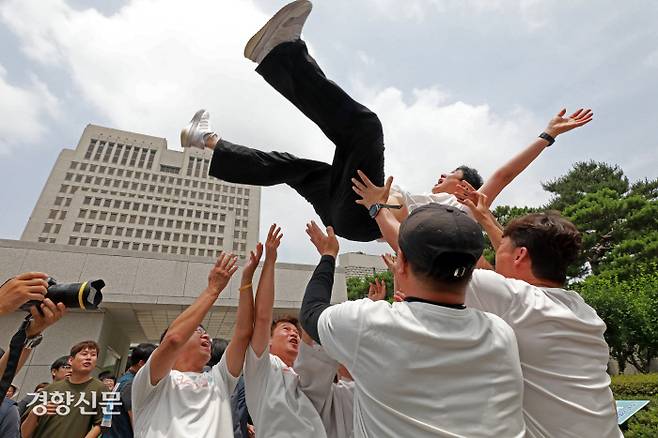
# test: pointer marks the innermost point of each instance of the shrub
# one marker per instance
(644, 424)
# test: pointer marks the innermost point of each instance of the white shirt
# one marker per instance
(275, 400)
(183, 403)
(333, 401)
(423, 370)
(413, 201)
(563, 356)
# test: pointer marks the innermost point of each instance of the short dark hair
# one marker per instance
(107, 375)
(60, 362)
(217, 349)
(91, 345)
(15, 388)
(439, 274)
(41, 386)
(141, 352)
(553, 243)
(284, 318)
(471, 176)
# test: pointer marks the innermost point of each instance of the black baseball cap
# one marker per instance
(441, 241)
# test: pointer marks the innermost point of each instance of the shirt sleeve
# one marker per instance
(10, 423)
(126, 396)
(340, 328)
(220, 371)
(141, 386)
(316, 371)
(256, 375)
(491, 292)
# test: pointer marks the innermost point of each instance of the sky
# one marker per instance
(453, 82)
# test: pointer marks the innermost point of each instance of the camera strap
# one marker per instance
(15, 350)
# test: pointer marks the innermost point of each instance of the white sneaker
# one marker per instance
(286, 25)
(196, 132)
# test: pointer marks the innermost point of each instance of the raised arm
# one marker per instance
(510, 170)
(164, 357)
(244, 326)
(371, 194)
(317, 296)
(265, 293)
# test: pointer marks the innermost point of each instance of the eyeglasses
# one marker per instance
(201, 331)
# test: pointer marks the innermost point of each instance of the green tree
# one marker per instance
(357, 287)
(629, 307)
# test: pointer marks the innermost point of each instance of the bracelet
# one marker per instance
(549, 138)
(245, 287)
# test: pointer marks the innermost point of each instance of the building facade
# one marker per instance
(123, 190)
(358, 264)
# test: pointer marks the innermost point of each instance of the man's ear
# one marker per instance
(521, 255)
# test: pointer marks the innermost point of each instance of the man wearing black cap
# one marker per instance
(450, 370)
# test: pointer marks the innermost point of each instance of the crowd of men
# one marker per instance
(464, 349)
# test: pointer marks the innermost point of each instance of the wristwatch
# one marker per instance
(31, 343)
(548, 137)
(374, 208)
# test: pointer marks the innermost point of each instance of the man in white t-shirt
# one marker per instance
(563, 353)
(428, 366)
(171, 394)
(275, 400)
(402, 202)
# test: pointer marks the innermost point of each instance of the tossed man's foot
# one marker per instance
(198, 131)
(286, 25)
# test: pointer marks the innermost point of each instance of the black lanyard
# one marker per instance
(436, 303)
(15, 350)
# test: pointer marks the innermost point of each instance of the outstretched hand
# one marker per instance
(252, 263)
(370, 193)
(326, 244)
(377, 290)
(465, 191)
(272, 243)
(559, 124)
(221, 273)
(477, 203)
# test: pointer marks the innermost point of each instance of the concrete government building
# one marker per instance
(149, 221)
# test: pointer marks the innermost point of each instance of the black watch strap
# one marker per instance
(549, 138)
(374, 208)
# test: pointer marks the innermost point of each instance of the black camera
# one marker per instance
(86, 296)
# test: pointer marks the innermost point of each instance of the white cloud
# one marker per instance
(22, 111)
(148, 67)
(533, 13)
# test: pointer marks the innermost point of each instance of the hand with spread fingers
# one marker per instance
(476, 202)
(251, 265)
(221, 273)
(272, 243)
(326, 244)
(377, 290)
(370, 193)
(559, 124)
(465, 191)
(390, 260)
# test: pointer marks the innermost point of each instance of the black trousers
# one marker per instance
(355, 131)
